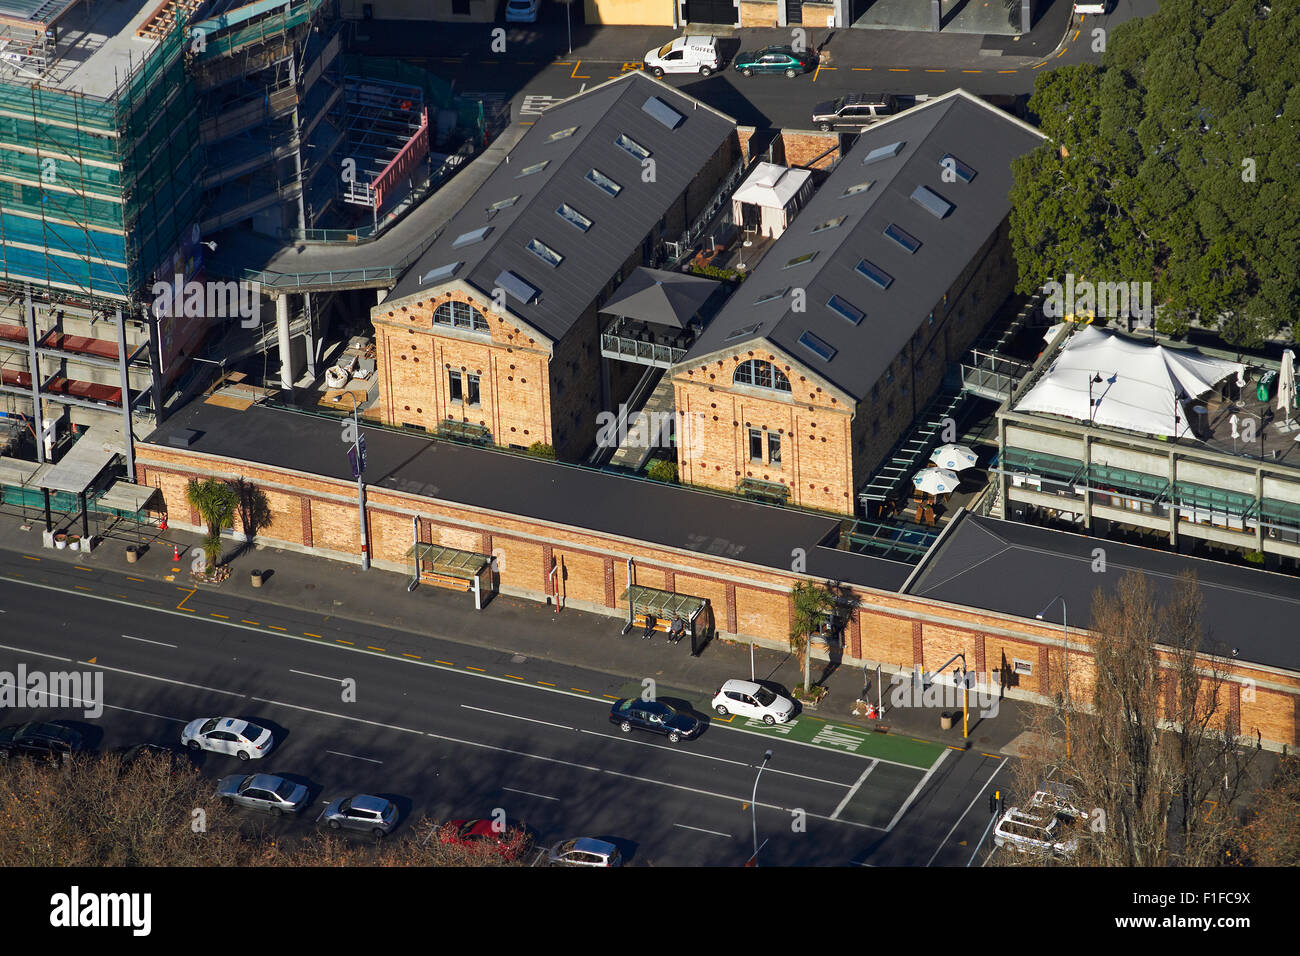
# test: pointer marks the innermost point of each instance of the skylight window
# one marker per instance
(561, 134)
(881, 153)
(503, 203)
(742, 332)
(769, 296)
(471, 237)
(535, 168)
(516, 287)
(931, 201)
(962, 171)
(876, 274)
(544, 252)
(628, 144)
(663, 112)
(904, 239)
(817, 346)
(828, 224)
(859, 188)
(573, 217)
(603, 182)
(800, 260)
(846, 309)
(440, 273)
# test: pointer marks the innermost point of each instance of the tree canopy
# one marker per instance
(1176, 161)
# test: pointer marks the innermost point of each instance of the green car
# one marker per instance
(776, 59)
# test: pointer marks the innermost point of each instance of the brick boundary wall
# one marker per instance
(751, 602)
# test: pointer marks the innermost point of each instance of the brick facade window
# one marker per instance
(761, 374)
(774, 448)
(460, 315)
(755, 445)
(454, 387)
(473, 396)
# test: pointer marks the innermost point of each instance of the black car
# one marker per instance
(50, 742)
(178, 759)
(652, 715)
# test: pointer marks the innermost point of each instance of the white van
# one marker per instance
(684, 55)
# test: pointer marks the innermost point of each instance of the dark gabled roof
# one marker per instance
(1016, 568)
(911, 147)
(618, 223)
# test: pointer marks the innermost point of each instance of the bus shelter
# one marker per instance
(677, 615)
(450, 568)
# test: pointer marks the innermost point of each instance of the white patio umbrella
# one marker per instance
(1286, 385)
(935, 481)
(954, 457)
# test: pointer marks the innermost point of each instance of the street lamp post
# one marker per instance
(361, 484)
(767, 755)
(1065, 648)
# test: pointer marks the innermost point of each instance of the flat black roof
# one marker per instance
(1015, 568)
(668, 515)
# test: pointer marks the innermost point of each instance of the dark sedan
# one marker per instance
(776, 59)
(652, 715)
(48, 742)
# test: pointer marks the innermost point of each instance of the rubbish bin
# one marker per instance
(945, 720)
(1264, 391)
(255, 578)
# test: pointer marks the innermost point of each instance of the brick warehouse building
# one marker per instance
(493, 334)
(818, 364)
(554, 532)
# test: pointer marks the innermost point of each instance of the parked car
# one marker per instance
(855, 111)
(654, 716)
(482, 834)
(747, 699)
(522, 11)
(584, 851)
(684, 55)
(776, 59)
(228, 735)
(362, 812)
(178, 758)
(52, 743)
(262, 791)
(1035, 830)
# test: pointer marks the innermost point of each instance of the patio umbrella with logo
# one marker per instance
(935, 481)
(1286, 385)
(954, 457)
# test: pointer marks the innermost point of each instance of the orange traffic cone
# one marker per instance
(176, 552)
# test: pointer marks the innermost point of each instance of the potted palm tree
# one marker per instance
(812, 602)
(215, 501)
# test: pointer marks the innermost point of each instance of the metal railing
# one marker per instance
(620, 347)
(335, 278)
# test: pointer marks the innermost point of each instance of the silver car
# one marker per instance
(584, 851)
(361, 812)
(262, 791)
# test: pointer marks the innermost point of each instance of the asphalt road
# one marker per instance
(455, 734)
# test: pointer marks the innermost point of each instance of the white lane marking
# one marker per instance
(353, 756)
(23, 650)
(146, 641)
(531, 720)
(677, 749)
(336, 680)
(556, 760)
(702, 830)
(948, 836)
(852, 793)
(912, 796)
(430, 664)
(540, 796)
(145, 713)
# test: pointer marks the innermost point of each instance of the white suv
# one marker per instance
(684, 55)
(748, 699)
(1036, 830)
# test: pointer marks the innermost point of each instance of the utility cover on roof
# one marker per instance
(516, 287)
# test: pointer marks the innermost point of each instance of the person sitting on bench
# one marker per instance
(676, 630)
(649, 627)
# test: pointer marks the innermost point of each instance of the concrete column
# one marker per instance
(128, 429)
(310, 336)
(282, 334)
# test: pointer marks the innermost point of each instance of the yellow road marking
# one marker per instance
(1076, 35)
(254, 623)
(307, 634)
(994, 756)
(274, 628)
(1006, 71)
(529, 123)
(128, 577)
(581, 691)
(547, 683)
(610, 696)
(950, 747)
(972, 71)
(574, 75)
(371, 647)
(936, 71)
(1037, 65)
(479, 669)
(448, 663)
(340, 641)
(861, 69)
(82, 587)
(30, 558)
(77, 567)
(182, 606)
(513, 677)
(413, 656)
(900, 69)
(224, 617)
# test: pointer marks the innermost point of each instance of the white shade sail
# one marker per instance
(1141, 386)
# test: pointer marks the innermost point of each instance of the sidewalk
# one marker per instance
(510, 626)
(628, 44)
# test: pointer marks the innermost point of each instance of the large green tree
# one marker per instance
(1176, 161)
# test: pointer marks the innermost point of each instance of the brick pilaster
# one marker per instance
(548, 559)
(1045, 672)
(731, 608)
(981, 664)
(306, 522)
(670, 580)
(918, 647)
(610, 598)
(855, 633)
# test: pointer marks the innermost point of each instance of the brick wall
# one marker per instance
(748, 601)
(801, 148)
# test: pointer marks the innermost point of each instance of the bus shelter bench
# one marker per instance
(446, 581)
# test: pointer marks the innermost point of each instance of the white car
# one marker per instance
(228, 735)
(1037, 830)
(522, 11)
(747, 699)
(688, 54)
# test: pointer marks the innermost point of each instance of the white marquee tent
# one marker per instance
(1142, 386)
(769, 198)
